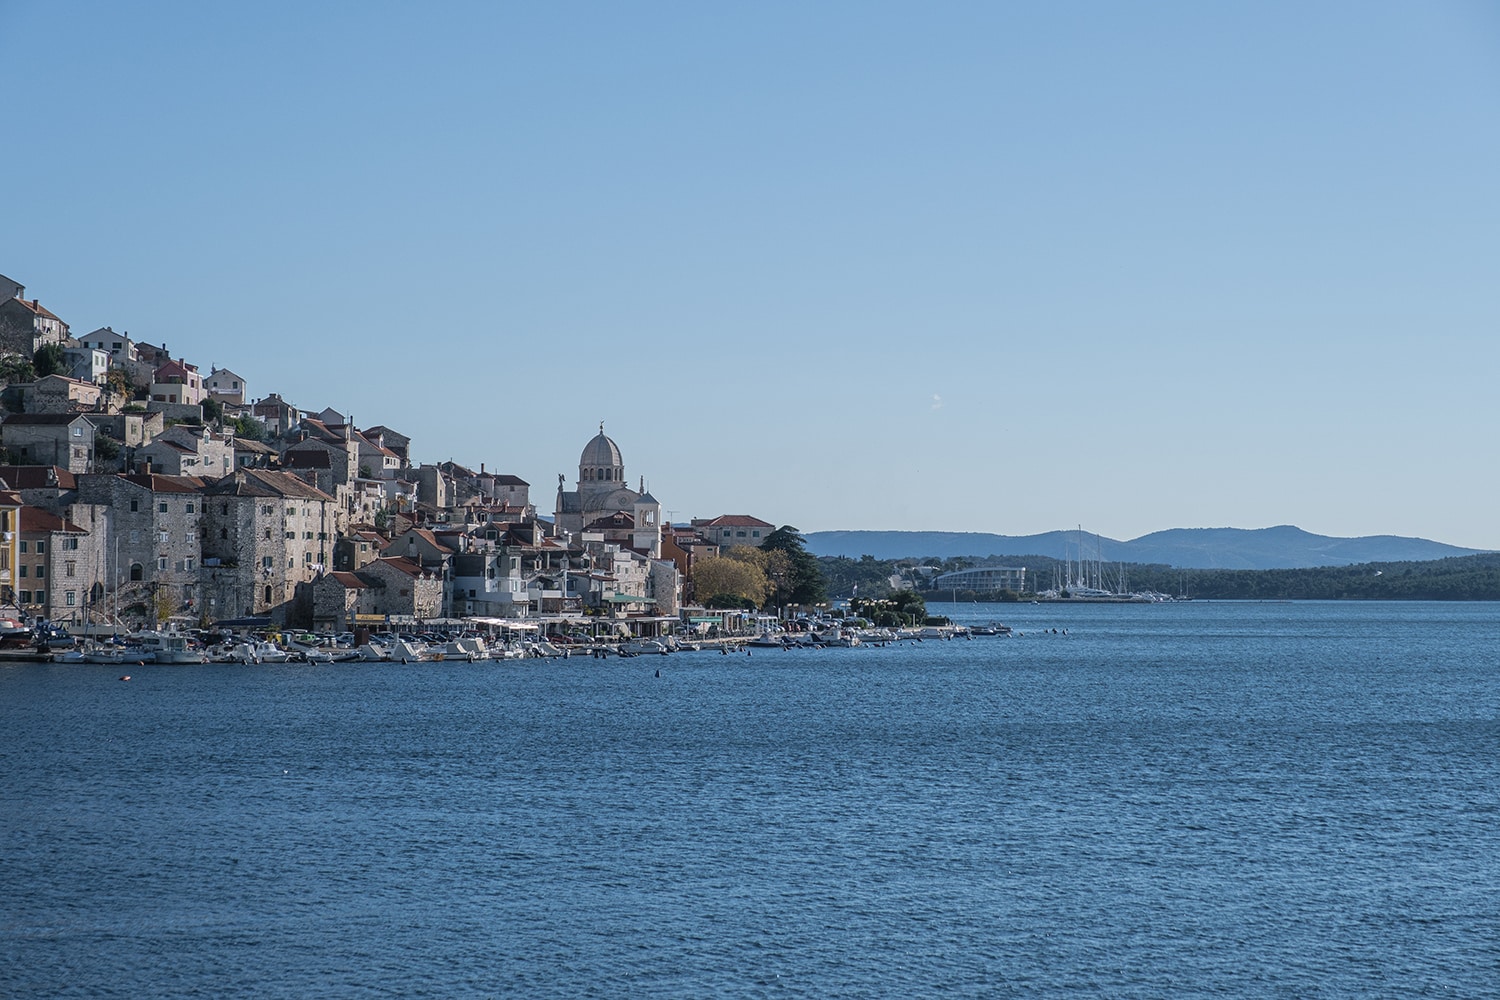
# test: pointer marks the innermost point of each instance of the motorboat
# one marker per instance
(469, 649)
(161, 647)
(643, 647)
(767, 641)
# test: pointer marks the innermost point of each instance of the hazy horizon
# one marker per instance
(875, 266)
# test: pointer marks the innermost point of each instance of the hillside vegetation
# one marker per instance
(1462, 578)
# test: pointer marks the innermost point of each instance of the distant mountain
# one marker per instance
(1282, 547)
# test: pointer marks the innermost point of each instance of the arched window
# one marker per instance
(137, 572)
(268, 595)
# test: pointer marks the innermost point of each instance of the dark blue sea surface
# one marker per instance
(1166, 800)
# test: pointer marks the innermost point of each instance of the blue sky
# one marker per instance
(939, 266)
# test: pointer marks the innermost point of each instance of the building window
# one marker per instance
(25, 597)
(70, 544)
(41, 571)
(24, 567)
(187, 564)
(268, 595)
(190, 507)
(23, 547)
(70, 568)
(266, 509)
(41, 547)
(161, 562)
(162, 507)
(265, 562)
(137, 572)
(268, 532)
(72, 598)
(292, 535)
(135, 505)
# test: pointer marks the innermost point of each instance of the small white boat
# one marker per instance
(406, 652)
(643, 647)
(767, 641)
(310, 654)
(464, 649)
(258, 652)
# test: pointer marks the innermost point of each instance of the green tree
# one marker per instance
(106, 447)
(213, 410)
(14, 368)
(805, 583)
(249, 428)
(49, 360)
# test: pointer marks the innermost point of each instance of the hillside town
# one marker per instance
(141, 488)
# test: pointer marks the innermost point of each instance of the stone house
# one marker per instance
(226, 386)
(353, 551)
(86, 364)
(277, 414)
(26, 326)
(250, 454)
(264, 534)
(64, 439)
(155, 537)
(188, 450)
(60, 566)
(733, 529)
(177, 382)
(339, 597)
(399, 444)
(60, 394)
(405, 588)
(398, 588)
(376, 462)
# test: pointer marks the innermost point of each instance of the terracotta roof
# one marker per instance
(735, 521)
(36, 477)
(350, 581)
(36, 306)
(402, 564)
(178, 369)
(37, 519)
(265, 483)
(167, 484)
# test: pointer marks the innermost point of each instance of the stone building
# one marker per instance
(601, 486)
(188, 450)
(64, 439)
(264, 533)
(61, 568)
(154, 544)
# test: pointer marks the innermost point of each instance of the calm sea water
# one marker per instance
(1175, 800)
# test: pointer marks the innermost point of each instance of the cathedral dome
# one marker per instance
(601, 452)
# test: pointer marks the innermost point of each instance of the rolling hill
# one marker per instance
(1281, 547)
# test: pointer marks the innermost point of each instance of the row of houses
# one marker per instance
(153, 506)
